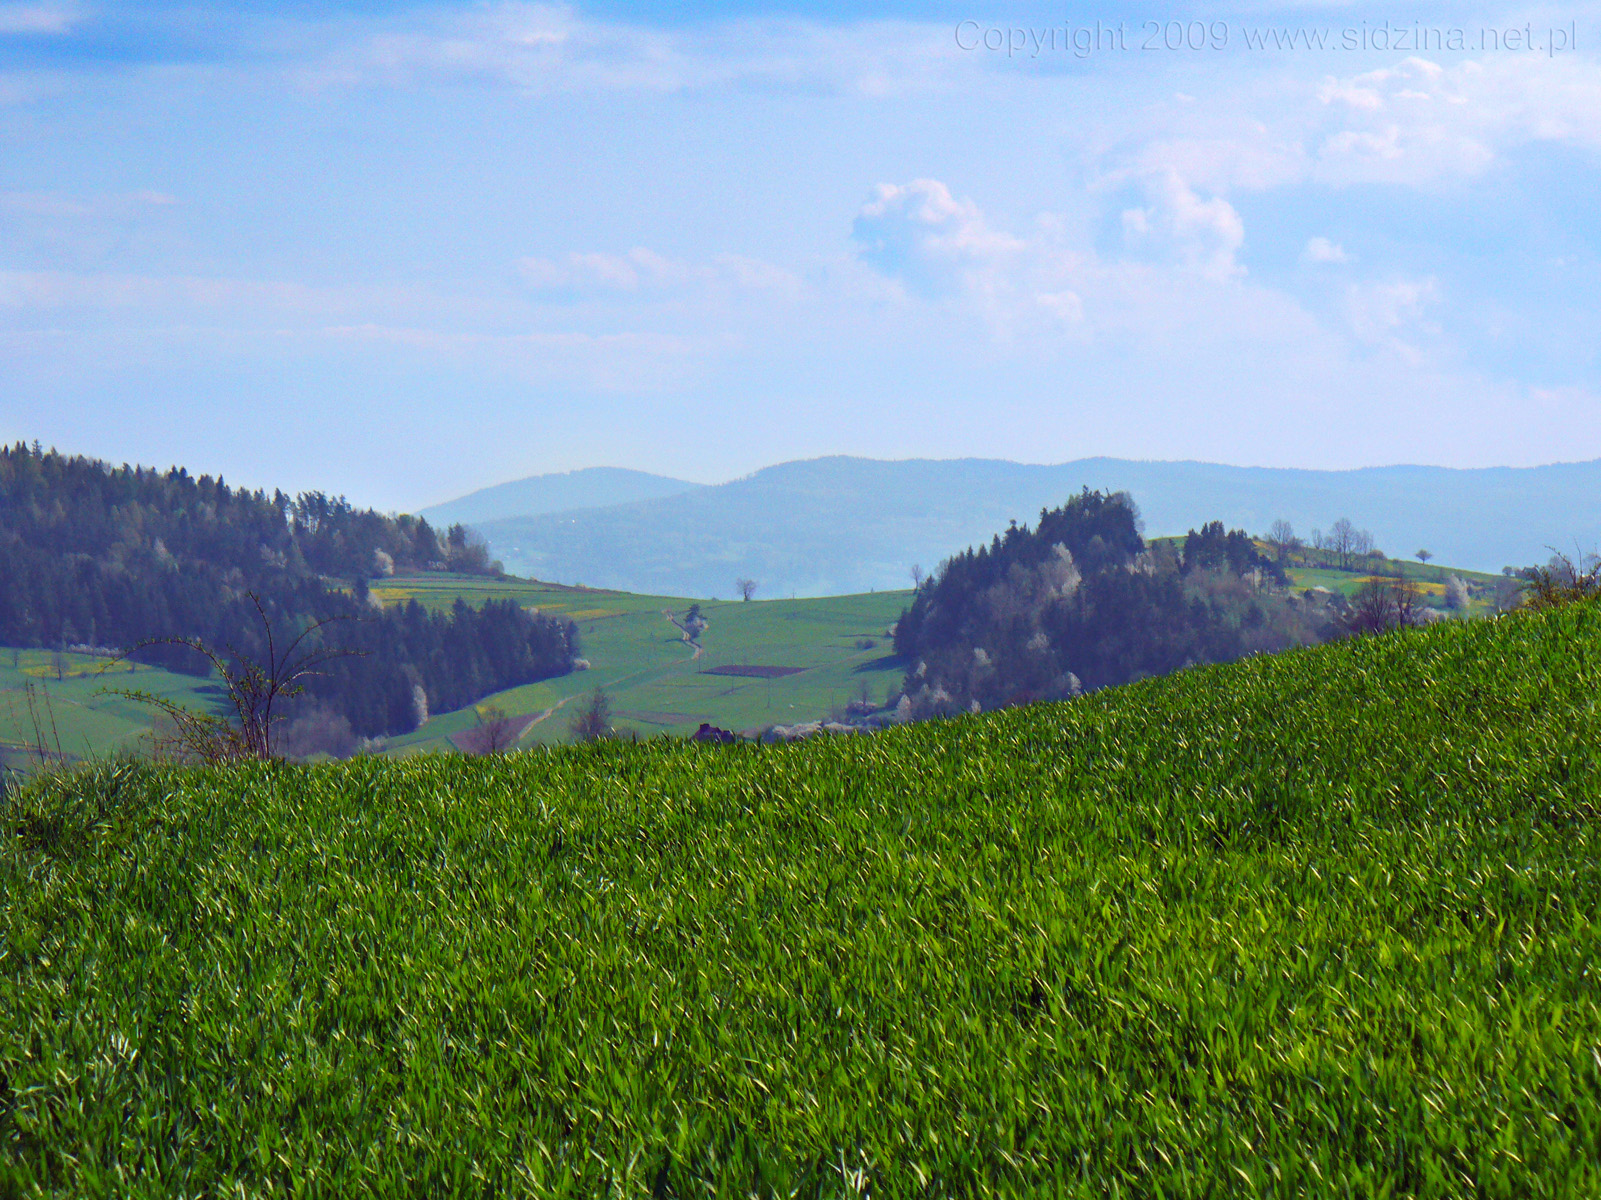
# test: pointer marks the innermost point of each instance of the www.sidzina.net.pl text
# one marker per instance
(1082, 41)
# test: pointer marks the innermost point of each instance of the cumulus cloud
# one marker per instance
(1204, 234)
(1049, 287)
(921, 235)
(1321, 250)
(1419, 121)
(1413, 122)
(1393, 314)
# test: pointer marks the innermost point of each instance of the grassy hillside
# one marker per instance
(657, 683)
(1319, 923)
(73, 717)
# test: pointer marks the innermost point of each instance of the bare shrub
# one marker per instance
(593, 720)
(497, 731)
(257, 693)
(1381, 604)
(1371, 608)
(1562, 581)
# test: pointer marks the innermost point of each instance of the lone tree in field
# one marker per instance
(1423, 556)
(745, 587)
(917, 576)
(593, 721)
(499, 732)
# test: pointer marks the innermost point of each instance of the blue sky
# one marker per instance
(402, 252)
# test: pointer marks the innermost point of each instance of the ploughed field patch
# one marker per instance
(505, 732)
(753, 672)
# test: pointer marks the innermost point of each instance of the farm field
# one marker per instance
(73, 716)
(1317, 923)
(636, 655)
(837, 649)
(1429, 578)
(837, 646)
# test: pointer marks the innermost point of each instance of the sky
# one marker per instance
(402, 252)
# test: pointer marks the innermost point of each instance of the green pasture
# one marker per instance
(636, 655)
(74, 718)
(653, 679)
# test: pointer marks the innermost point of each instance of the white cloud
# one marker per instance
(1050, 288)
(1414, 122)
(1320, 250)
(920, 234)
(645, 273)
(1393, 314)
(625, 361)
(546, 48)
(38, 18)
(1418, 121)
(55, 204)
(202, 296)
(1202, 234)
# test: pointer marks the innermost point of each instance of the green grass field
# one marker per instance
(1320, 923)
(655, 683)
(75, 718)
(1430, 581)
(635, 653)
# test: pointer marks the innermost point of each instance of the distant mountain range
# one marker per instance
(592, 487)
(833, 525)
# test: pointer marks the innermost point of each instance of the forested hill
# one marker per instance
(1081, 601)
(115, 556)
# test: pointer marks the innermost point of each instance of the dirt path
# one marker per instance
(549, 712)
(686, 639)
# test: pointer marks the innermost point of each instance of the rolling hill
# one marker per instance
(831, 526)
(593, 487)
(1317, 923)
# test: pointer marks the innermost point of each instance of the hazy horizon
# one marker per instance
(1010, 461)
(407, 254)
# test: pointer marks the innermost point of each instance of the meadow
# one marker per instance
(1318, 923)
(71, 715)
(838, 646)
(656, 683)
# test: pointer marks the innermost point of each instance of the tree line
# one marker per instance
(1081, 601)
(120, 557)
